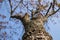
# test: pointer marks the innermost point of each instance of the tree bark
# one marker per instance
(34, 30)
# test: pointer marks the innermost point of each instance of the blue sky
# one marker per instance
(18, 29)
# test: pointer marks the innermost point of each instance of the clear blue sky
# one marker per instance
(17, 27)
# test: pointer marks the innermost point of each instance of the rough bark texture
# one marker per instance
(34, 30)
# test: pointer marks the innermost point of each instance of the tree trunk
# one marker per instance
(34, 30)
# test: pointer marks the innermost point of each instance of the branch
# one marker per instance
(17, 17)
(53, 5)
(16, 7)
(12, 11)
(53, 12)
(10, 6)
(32, 13)
(48, 9)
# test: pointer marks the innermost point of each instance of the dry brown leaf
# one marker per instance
(58, 5)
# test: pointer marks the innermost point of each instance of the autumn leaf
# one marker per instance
(58, 4)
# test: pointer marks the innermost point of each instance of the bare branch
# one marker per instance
(32, 13)
(10, 6)
(48, 9)
(17, 6)
(12, 11)
(53, 13)
(48, 15)
(17, 16)
(53, 5)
